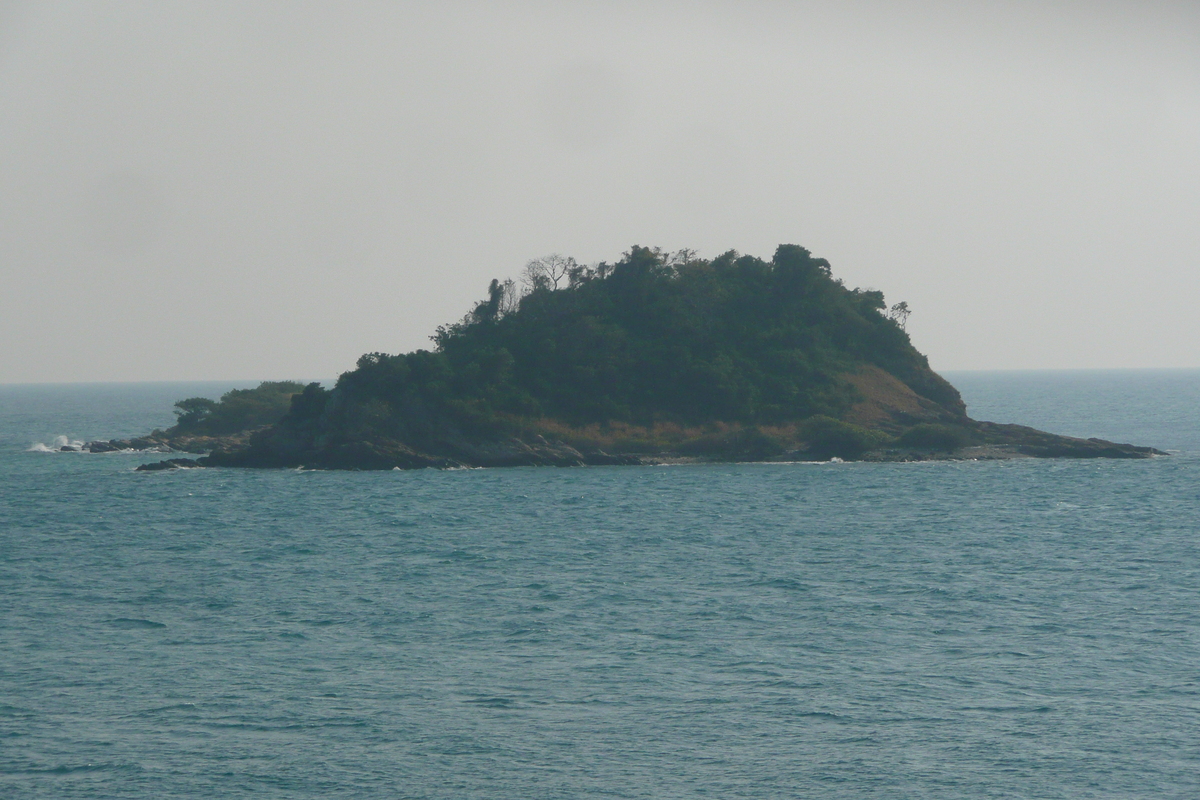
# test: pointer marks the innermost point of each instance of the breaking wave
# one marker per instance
(59, 445)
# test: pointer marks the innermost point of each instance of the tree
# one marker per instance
(510, 299)
(549, 271)
(238, 409)
(680, 258)
(899, 314)
(489, 310)
(193, 410)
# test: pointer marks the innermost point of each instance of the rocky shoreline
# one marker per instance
(890, 423)
(1003, 442)
(164, 442)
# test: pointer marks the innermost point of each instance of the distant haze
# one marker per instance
(268, 190)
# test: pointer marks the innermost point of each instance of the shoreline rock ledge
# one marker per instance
(1003, 442)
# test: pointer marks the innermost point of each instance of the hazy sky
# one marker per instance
(267, 190)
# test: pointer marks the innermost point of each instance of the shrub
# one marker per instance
(739, 444)
(827, 437)
(238, 409)
(932, 436)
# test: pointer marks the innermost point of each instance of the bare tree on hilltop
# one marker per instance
(549, 271)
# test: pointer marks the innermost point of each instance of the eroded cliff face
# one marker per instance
(888, 404)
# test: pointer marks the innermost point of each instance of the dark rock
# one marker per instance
(1039, 444)
(354, 455)
(209, 444)
(599, 458)
(146, 443)
(101, 447)
(1085, 449)
(170, 463)
(377, 455)
(517, 453)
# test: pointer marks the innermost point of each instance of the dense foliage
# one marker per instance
(237, 410)
(649, 339)
(932, 436)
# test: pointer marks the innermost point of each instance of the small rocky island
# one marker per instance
(658, 358)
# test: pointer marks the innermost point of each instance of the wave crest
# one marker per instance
(59, 445)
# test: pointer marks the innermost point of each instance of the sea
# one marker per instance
(1016, 629)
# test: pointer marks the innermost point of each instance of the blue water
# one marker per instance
(939, 630)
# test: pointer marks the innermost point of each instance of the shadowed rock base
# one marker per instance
(170, 463)
(989, 441)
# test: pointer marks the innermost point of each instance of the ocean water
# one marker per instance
(1025, 629)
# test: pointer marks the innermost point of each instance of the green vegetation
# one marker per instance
(827, 438)
(654, 340)
(932, 436)
(237, 410)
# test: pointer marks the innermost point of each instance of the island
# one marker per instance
(658, 358)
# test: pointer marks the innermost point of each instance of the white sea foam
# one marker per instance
(56, 446)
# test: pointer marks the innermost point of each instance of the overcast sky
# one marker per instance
(268, 190)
